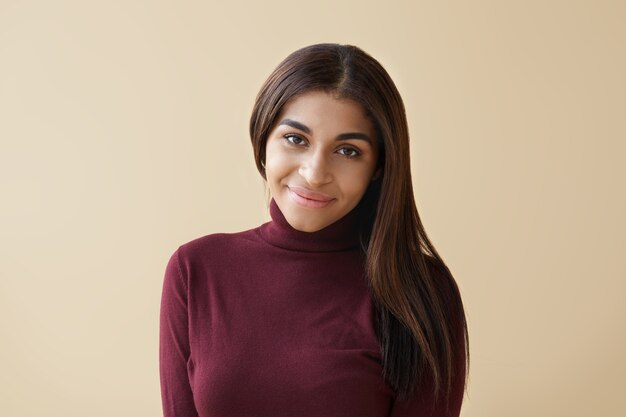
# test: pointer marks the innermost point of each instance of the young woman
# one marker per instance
(338, 306)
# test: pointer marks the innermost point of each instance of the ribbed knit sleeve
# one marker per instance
(174, 346)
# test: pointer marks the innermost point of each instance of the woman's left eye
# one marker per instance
(294, 139)
(349, 152)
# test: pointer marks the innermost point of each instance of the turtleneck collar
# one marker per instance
(340, 235)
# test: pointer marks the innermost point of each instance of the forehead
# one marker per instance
(323, 110)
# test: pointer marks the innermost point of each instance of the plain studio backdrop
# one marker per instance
(124, 133)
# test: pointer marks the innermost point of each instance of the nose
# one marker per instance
(315, 170)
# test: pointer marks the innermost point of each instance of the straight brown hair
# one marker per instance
(420, 319)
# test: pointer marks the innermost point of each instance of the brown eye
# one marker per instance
(349, 152)
(294, 139)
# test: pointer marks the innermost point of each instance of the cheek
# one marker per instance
(356, 181)
(277, 161)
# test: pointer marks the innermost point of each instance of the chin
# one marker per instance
(305, 226)
(306, 219)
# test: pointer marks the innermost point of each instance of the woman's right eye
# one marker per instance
(294, 139)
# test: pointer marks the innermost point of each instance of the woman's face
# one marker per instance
(320, 158)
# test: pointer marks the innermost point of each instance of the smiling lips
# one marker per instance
(308, 198)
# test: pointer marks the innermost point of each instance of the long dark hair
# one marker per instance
(420, 320)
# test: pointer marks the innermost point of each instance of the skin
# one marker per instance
(320, 158)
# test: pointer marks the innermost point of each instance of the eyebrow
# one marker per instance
(342, 136)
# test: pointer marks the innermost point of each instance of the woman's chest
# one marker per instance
(294, 345)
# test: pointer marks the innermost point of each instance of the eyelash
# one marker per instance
(356, 152)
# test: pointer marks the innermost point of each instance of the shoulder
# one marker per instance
(216, 248)
(219, 241)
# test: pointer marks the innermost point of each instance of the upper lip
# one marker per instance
(309, 194)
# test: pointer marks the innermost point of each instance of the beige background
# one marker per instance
(123, 129)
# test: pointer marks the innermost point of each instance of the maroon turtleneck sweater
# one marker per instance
(274, 322)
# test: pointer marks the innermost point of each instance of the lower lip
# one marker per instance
(306, 202)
